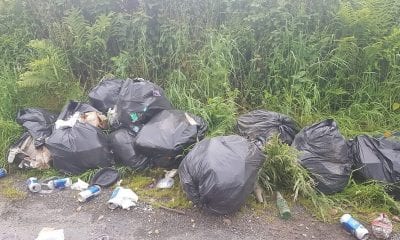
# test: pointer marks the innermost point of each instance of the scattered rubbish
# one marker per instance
(38, 122)
(89, 193)
(354, 227)
(396, 218)
(100, 217)
(51, 234)
(173, 210)
(219, 173)
(377, 158)
(122, 197)
(283, 207)
(3, 172)
(78, 209)
(26, 155)
(227, 221)
(79, 185)
(258, 192)
(78, 148)
(122, 142)
(171, 173)
(105, 177)
(138, 101)
(382, 227)
(325, 153)
(33, 185)
(105, 94)
(164, 138)
(261, 125)
(59, 183)
(166, 182)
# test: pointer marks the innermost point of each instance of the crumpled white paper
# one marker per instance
(51, 234)
(124, 198)
(80, 185)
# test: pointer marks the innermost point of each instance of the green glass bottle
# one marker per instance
(284, 210)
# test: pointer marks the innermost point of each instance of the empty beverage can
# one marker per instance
(354, 227)
(3, 172)
(89, 193)
(60, 183)
(34, 185)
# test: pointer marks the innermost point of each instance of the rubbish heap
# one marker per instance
(132, 122)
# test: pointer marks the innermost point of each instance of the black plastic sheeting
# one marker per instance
(138, 101)
(219, 173)
(164, 138)
(261, 125)
(105, 95)
(122, 143)
(72, 107)
(325, 153)
(38, 122)
(376, 158)
(78, 148)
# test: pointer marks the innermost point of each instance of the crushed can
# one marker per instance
(3, 172)
(89, 193)
(354, 227)
(33, 185)
(59, 183)
(382, 227)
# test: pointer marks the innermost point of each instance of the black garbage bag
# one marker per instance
(164, 138)
(219, 173)
(261, 125)
(105, 95)
(325, 154)
(38, 122)
(72, 107)
(376, 158)
(80, 146)
(122, 143)
(138, 101)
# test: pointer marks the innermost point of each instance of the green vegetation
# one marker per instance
(310, 59)
(7, 190)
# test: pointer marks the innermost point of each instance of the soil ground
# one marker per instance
(23, 220)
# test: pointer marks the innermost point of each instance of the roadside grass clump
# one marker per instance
(282, 172)
(143, 184)
(365, 200)
(8, 190)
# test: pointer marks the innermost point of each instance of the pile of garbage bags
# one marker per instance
(132, 122)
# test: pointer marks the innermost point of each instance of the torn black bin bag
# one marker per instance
(122, 143)
(261, 125)
(219, 173)
(325, 154)
(165, 137)
(105, 94)
(138, 101)
(376, 158)
(79, 148)
(38, 122)
(72, 107)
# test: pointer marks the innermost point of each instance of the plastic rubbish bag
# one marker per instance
(122, 197)
(51, 234)
(164, 138)
(26, 155)
(376, 158)
(138, 101)
(261, 125)
(122, 143)
(325, 153)
(219, 173)
(38, 122)
(382, 227)
(82, 112)
(105, 94)
(79, 147)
